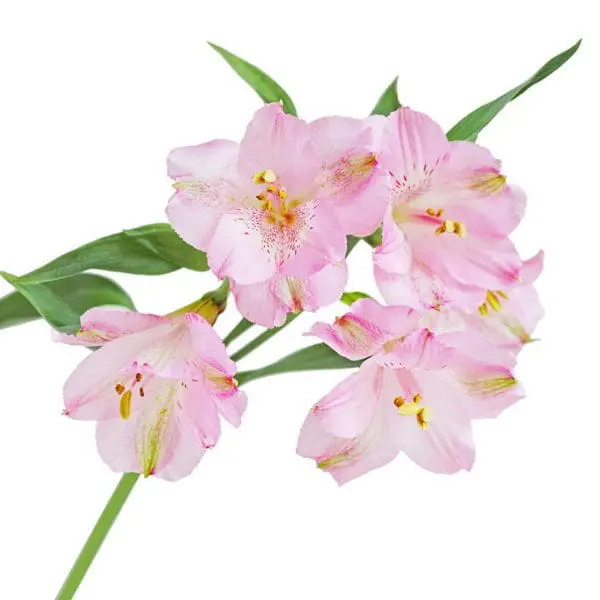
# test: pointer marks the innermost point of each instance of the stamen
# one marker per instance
(119, 388)
(142, 392)
(423, 417)
(483, 310)
(269, 176)
(282, 193)
(493, 301)
(457, 227)
(399, 401)
(502, 294)
(125, 405)
(138, 377)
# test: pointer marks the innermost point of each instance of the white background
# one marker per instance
(92, 97)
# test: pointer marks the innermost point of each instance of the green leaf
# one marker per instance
(470, 127)
(314, 358)
(388, 102)
(61, 302)
(147, 250)
(268, 89)
(350, 298)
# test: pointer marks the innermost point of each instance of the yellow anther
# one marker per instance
(282, 194)
(460, 229)
(125, 405)
(433, 212)
(502, 294)
(417, 398)
(271, 188)
(269, 176)
(489, 183)
(493, 301)
(409, 409)
(483, 310)
(447, 226)
(119, 388)
(424, 417)
(399, 401)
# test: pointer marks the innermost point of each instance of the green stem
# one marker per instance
(238, 330)
(98, 535)
(259, 340)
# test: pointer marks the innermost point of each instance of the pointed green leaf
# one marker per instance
(314, 358)
(350, 298)
(388, 102)
(470, 127)
(268, 89)
(148, 250)
(60, 302)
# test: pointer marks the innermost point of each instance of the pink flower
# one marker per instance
(445, 235)
(156, 387)
(416, 392)
(273, 212)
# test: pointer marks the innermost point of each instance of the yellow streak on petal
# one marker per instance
(489, 183)
(125, 405)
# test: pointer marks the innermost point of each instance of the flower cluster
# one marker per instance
(273, 215)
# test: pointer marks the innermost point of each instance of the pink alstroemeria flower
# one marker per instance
(273, 212)
(416, 393)
(156, 387)
(445, 235)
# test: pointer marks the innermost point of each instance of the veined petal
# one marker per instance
(348, 409)
(419, 350)
(206, 184)
(269, 302)
(283, 144)
(364, 330)
(155, 440)
(237, 251)
(323, 243)
(101, 325)
(350, 178)
(346, 458)
(490, 388)
(445, 444)
(412, 144)
(394, 255)
(93, 391)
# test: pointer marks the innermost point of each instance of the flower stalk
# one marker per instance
(97, 536)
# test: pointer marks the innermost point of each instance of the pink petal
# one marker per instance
(412, 143)
(324, 243)
(351, 180)
(207, 345)
(348, 409)
(348, 458)
(101, 325)
(283, 144)
(269, 302)
(236, 251)
(419, 350)
(446, 445)
(394, 255)
(89, 393)
(490, 388)
(362, 331)
(206, 180)
(233, 407)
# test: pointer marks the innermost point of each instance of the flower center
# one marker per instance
(414, 409)
(126, 395)
(273, 199)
